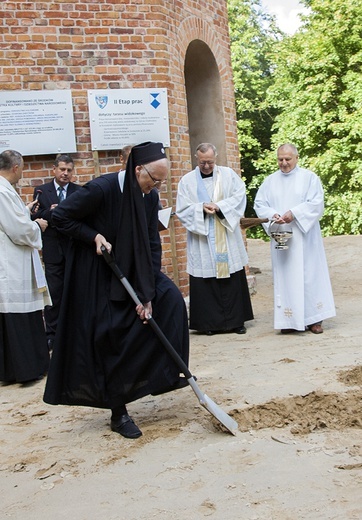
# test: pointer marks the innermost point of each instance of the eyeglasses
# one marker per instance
(156, 182)
(206, 163)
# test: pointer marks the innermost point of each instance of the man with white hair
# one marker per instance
(302, 290)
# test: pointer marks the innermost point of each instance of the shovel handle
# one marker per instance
(109, 258)
(175, 356)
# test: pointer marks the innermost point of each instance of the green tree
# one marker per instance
(252, 36)
(317, 91)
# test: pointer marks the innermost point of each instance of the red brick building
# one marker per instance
(79, 45)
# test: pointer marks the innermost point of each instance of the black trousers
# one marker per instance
(24, 352)
(54, 274)
(220, 304)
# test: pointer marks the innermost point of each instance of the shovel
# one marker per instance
(204, 400)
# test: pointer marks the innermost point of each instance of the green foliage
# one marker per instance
(317, 89)
(305, 89)
(252, 36)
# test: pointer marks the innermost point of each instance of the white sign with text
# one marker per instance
(37, 122)
(121, 117)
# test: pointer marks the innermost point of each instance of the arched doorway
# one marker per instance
(204, 99)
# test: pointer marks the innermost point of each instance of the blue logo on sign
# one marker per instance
(102, 101)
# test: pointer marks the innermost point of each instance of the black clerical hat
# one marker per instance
(145, 153)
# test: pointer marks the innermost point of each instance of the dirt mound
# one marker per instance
(305, 414)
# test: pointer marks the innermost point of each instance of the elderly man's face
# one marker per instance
(152, 175)
(206, 161)
(287, 159)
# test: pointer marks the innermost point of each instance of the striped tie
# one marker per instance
(60, 193)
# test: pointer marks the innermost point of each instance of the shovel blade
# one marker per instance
(213, 408)
(219, 414)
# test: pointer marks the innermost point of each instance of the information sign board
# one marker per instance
(37, 122)
(120, 117)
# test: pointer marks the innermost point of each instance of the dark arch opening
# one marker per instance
(204, 99)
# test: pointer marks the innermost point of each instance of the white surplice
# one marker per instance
(21, 273)
(302, 288)
(201, 261)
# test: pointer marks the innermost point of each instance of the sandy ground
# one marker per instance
(297, 454)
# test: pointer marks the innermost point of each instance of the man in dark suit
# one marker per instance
(55, 244)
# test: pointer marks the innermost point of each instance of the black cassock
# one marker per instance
(104, 356)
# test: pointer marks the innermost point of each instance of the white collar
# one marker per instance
(65, 188)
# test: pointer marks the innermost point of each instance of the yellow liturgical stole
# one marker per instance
(222, 260)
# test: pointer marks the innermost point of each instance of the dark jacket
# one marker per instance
(54, 242)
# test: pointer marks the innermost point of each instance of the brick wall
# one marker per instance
(107, 44)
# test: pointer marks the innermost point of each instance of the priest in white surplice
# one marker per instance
(211, 200)
(302, 290)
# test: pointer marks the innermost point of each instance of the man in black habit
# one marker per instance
(104, 354)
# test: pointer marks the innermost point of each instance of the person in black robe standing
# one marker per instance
(104, 354)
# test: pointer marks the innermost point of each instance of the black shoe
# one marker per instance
(210, 333)
(50, 344)
(240, 330)
(125, 426)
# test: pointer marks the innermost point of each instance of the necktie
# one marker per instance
(60, 193)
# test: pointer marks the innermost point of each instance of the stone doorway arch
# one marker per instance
(204, 99)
